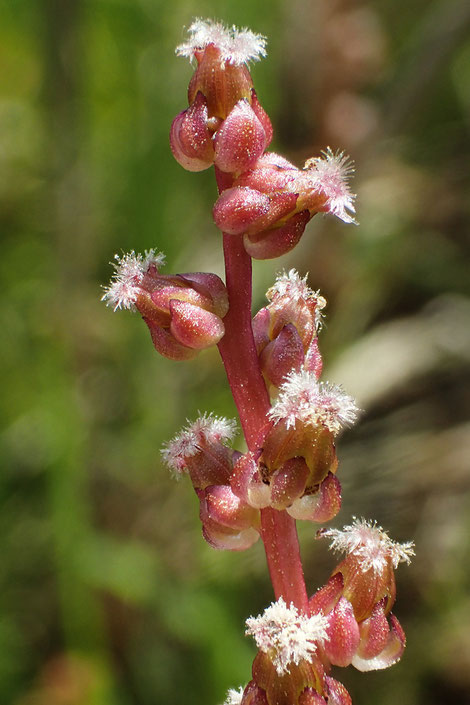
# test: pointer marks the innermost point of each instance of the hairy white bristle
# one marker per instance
(290, 284)
(330, 174)
(129, 270)
(370, 544)
(287, 635)
(205, 431)
(302, 398)
(236, 46)
(234, 697)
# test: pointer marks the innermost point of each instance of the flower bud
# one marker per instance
(221, 54)
(358, 597)
(240, 141)
(320, 506)
(183, 312)
(190, 137)
(282, 355)
(237, 208)
(227, 523)
(200, 450)
(295, 196)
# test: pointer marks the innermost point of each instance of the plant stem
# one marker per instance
(238, 351)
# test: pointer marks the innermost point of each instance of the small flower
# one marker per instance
(329, 174)
(207, 430)
(234, 697)
(236, 46)
(296, 289)
(302, 398)
(370, 544)
(286, 635)
(130, 269)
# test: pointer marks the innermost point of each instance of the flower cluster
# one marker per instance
(265, 199)
(286, 331)
(291, 419)
(183, 311)
(201, 451)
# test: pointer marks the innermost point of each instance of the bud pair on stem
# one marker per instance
(290, 419)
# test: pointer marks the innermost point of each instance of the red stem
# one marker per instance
(238, 351)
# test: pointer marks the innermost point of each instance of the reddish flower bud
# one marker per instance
(288, 482)
(237, 208)
(311, 697)
(248, 483)
(263, 117)
(193, 326)
(277, 241)
(190, 137)
(343, 634)
(225, 539)
(240, 141)
(167, 345)
(322, 505)
(183, 312)
(282, 355)
(390, 654)
(336, 692)
(254, 695)
(221, 54)
(374, 633)
(200, 449)
(227, 523)
(225, 508)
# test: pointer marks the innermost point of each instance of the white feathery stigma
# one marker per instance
(370, 544)
(205, 431)
(292, 285)
(286, 635)
(234, 697)
(237, 46)
(302, 398)
(330, 174)
(129, 270)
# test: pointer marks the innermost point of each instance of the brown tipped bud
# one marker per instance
(193, 326)
(222, 84)
(190, 137)
(343, 634)
(240, 140)
(237, 208)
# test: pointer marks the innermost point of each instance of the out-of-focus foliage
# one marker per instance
(108, 595)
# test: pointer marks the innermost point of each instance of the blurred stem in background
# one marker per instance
(68, 483)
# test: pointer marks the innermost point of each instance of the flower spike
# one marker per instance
(287, 635)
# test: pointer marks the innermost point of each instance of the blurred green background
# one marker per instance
(108, 594)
